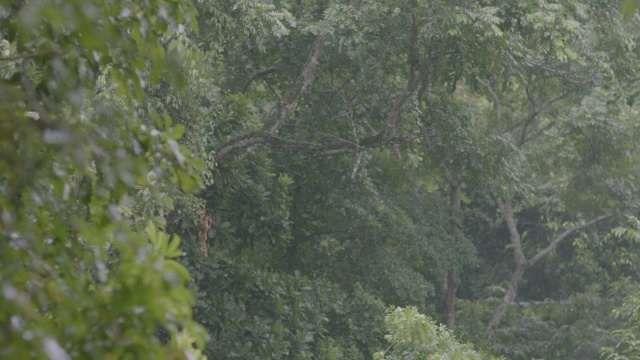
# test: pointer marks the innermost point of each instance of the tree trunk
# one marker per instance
(451, 288)
(522, 263)
(516, 278)
(510, 296)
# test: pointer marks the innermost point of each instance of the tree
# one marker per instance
(628, 346)
(351, 155)
(414, 336)
(467, 98)
(546, 72)
(88, 272)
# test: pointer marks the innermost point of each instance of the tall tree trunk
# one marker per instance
(516, 278)
(450, 282)
(512, 291)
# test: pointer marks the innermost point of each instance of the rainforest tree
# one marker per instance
(321, 161)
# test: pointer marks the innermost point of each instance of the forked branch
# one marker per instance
(278, 115)
(521, 264)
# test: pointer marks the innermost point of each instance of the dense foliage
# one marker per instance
(414, 336)
(85, 272)
(264, 179)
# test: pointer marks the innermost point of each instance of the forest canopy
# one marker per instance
(343, 179)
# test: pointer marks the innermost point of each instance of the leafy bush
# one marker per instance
(415, 336)
(251, 312)
(86, 273)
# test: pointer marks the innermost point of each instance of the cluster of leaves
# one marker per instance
(86, 273)
(415, 336)
(627, 335)
(573, 328)
(252, 312)
(442, 91)
(361, 147)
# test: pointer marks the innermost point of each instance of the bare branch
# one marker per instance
(544, 252)
(224, 151)
(348, 111)
(290, 101)
(372, 130)
(342, 146)
(394, 114)
(521, 264)
(248, 151)
(534, 108)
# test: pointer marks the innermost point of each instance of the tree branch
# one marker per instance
(514, 234)
(537, 133)
(286, 105)
(516, 276)
(258, 74)
(342, 146)
(565, 74)
(544, 252)
(266, 136)
(534, 113)
(496, 100)
(307, 76)
(412, 83)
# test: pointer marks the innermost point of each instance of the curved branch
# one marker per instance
(279, 114)
(544, 252)
(266, 136)
(256, 75)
